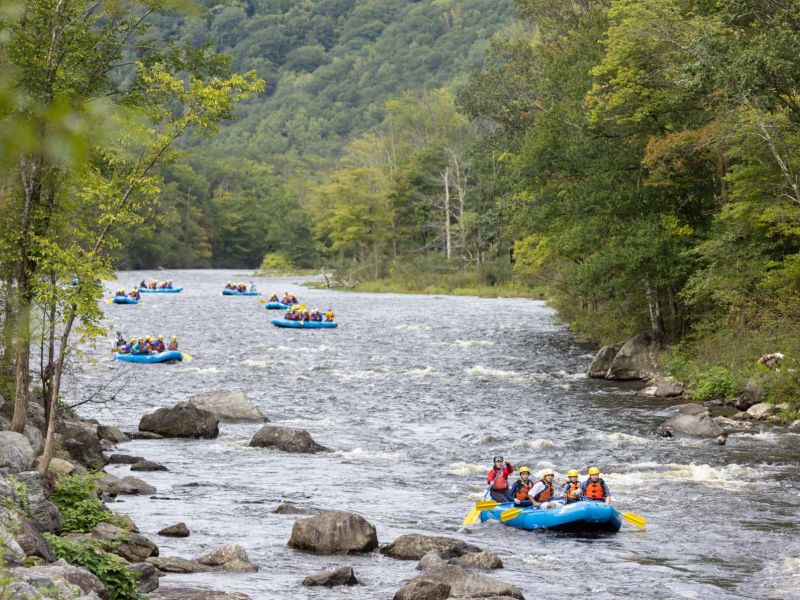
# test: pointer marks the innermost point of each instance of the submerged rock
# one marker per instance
(635, 360)
(148, 465)
(184, 420)
(286, 439)
(343, 576)
(228, 405)
(334, 532)
(690, 408)
(178, 593)
(230, 557)
(602, 361)
(414, 546)
(288, 508)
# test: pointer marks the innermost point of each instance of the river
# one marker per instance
(414, 395)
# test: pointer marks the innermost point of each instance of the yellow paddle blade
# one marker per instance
(262, 301)
(186, 357)
(472, 517)
(485, 504)
(109, 301)
(634, 519)
(511, 513)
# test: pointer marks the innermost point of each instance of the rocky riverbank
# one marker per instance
(60, 539)
(637, 360)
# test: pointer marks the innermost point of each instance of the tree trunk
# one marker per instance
(656, 318)
(446, 181)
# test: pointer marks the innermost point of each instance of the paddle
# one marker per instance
(513, 513)
(186, 357)
(474, 514)
(632, 518)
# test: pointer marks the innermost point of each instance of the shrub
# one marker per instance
(108, 568)
(21, 493)
(716, 382)
(276, 261)
(81, 509)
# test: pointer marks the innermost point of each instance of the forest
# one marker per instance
(633, 162)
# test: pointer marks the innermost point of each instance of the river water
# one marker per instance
(414, 395)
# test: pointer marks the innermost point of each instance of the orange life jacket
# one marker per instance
(173, 345)
(522, 490)
(574, 489)
(546, 493)
(595, 490)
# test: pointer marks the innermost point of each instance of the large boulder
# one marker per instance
(112, 434)
(148, 465)
(230, 557)
(61, 571)
(184, 420)
(343, 576)
(751, 395)
(32, 542)
(602, 361)
(228, 405)
(334, 532)
(16, 453)
(414, 546)
(124, 459)
(286, 439)
(130, 485)
(635, 360)
(44, 514)
(478, 560)
(176, 593)
(81, 441)
(701, 425)
(662, 387)
(133, 547)
(462, 583)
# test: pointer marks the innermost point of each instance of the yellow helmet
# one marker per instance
(594, 471)
(174, 337)
(149, 339)
(548, 472)
(524, 470)
(133, 340)
(161, 337)
(573, 473)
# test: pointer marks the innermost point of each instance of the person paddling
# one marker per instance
(594, 488)
(173, 343)
(543, 491)
(158, 345)
(521, 488)
(498, 479)
(571, 488)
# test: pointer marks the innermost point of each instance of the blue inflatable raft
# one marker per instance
(124, 300)
(176, 290)
(276, 305)
(235, 293)
(160, 357)
(304, 324)
(578, 517)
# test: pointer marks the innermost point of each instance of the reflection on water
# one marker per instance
(414, 394)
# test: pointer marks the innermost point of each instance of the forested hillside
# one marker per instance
(329, 66)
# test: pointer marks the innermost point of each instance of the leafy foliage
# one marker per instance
(81, 509)
(108, 568)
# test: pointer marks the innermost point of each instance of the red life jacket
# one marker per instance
(523, 489)
(546, 493)
(159, 346)
(502, 480)
(574, 489)
(595, 490)
(173, 345)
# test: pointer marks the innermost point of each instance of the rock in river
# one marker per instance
(343, 576)
(286, 439)
(334, 532)
(230, 557)
(461, 583)
(176, 593)
(414, 546)
(184, 420)
(228, 405)
(602, 361)
(177, 530)
(701, 425)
